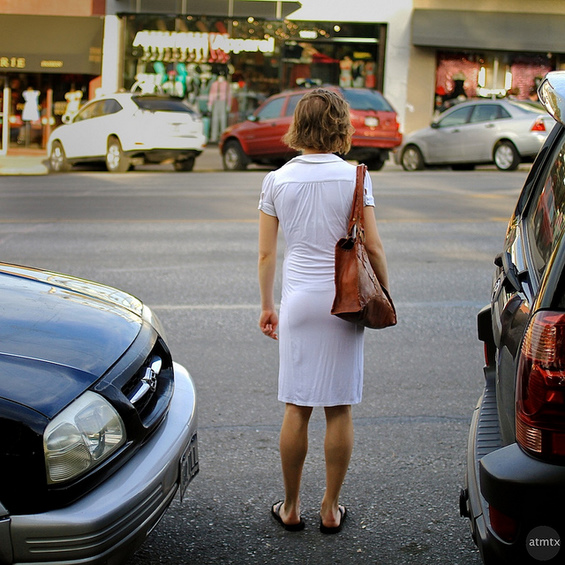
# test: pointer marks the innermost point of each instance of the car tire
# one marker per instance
(411, 159)
(375, 163)
(116, 160)
(233, 157)
(181, 165)
(58, 162)
(506, 156)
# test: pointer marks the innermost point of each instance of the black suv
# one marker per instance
(514, 494)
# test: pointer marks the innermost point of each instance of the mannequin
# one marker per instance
(31, 111)
(73, 98)
(219, 103)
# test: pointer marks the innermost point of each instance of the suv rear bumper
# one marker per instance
(511, 481)
(109, 523)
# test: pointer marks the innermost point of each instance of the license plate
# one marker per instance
(188, 465)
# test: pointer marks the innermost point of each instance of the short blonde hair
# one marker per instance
(321, 122)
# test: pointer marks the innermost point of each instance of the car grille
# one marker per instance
(150, 388)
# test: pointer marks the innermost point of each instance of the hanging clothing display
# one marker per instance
(219, 103)
(31, 110)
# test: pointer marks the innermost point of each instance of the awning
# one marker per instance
(501, 31)
(264, 9)
(51, 44)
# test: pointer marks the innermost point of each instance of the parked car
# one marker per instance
(514, 491)
(259, 138)
(126, 129)
(98, 426)
(504, 132)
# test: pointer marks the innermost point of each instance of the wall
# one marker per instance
(420, 89)
(54, 8)
(523, 6)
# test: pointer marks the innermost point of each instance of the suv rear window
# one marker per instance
(367, 100)
(161, 104)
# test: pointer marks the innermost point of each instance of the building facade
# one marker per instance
(255, 46)
(499, 48)
(422, 54)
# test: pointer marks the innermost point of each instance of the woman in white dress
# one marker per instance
(320, 355)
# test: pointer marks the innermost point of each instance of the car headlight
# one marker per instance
(81, 436)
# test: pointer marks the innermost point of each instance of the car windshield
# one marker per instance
(161, 104)
(366, 100)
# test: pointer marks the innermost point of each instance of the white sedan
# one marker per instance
(126, 129)
(504, 132)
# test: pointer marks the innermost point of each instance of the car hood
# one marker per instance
(59, 335)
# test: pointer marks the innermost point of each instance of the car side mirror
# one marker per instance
(253, 118)
(549, 93)
(434, 125)
(504, 261)
(66, 119)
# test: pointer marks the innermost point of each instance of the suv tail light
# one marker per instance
(539, 125)
(540, 387)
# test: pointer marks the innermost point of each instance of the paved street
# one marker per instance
(185, 243)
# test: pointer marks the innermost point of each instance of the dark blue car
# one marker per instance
(97, 424)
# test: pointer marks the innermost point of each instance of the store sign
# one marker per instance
(196, 46)
(51, 64)
(12, 63)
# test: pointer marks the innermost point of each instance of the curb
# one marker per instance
(30, 164)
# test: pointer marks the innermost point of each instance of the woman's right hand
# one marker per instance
(268, 322)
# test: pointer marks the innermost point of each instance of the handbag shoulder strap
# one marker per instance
(356, 218)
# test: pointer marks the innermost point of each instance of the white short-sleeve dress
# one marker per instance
(321, 356)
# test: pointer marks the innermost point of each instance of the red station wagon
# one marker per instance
(259, 138)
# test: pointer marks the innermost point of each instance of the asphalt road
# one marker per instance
(185, 243)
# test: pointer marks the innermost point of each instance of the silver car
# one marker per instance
(504, 132)
(126, 129)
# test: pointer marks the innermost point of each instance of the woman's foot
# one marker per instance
(276, 514)
(336, 525)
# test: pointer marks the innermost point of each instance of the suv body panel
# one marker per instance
(529, 277)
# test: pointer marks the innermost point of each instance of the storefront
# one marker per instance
(488, 53)
(45, 63)
(467, 74)
(185, 55)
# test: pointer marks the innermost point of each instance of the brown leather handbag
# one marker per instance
(359, 296)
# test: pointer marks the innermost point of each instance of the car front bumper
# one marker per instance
(109, 523)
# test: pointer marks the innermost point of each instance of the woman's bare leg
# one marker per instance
(293, 449)
(338, 447)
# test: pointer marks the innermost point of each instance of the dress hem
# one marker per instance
(319, 404)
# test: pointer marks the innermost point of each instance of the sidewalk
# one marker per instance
(22, 161)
